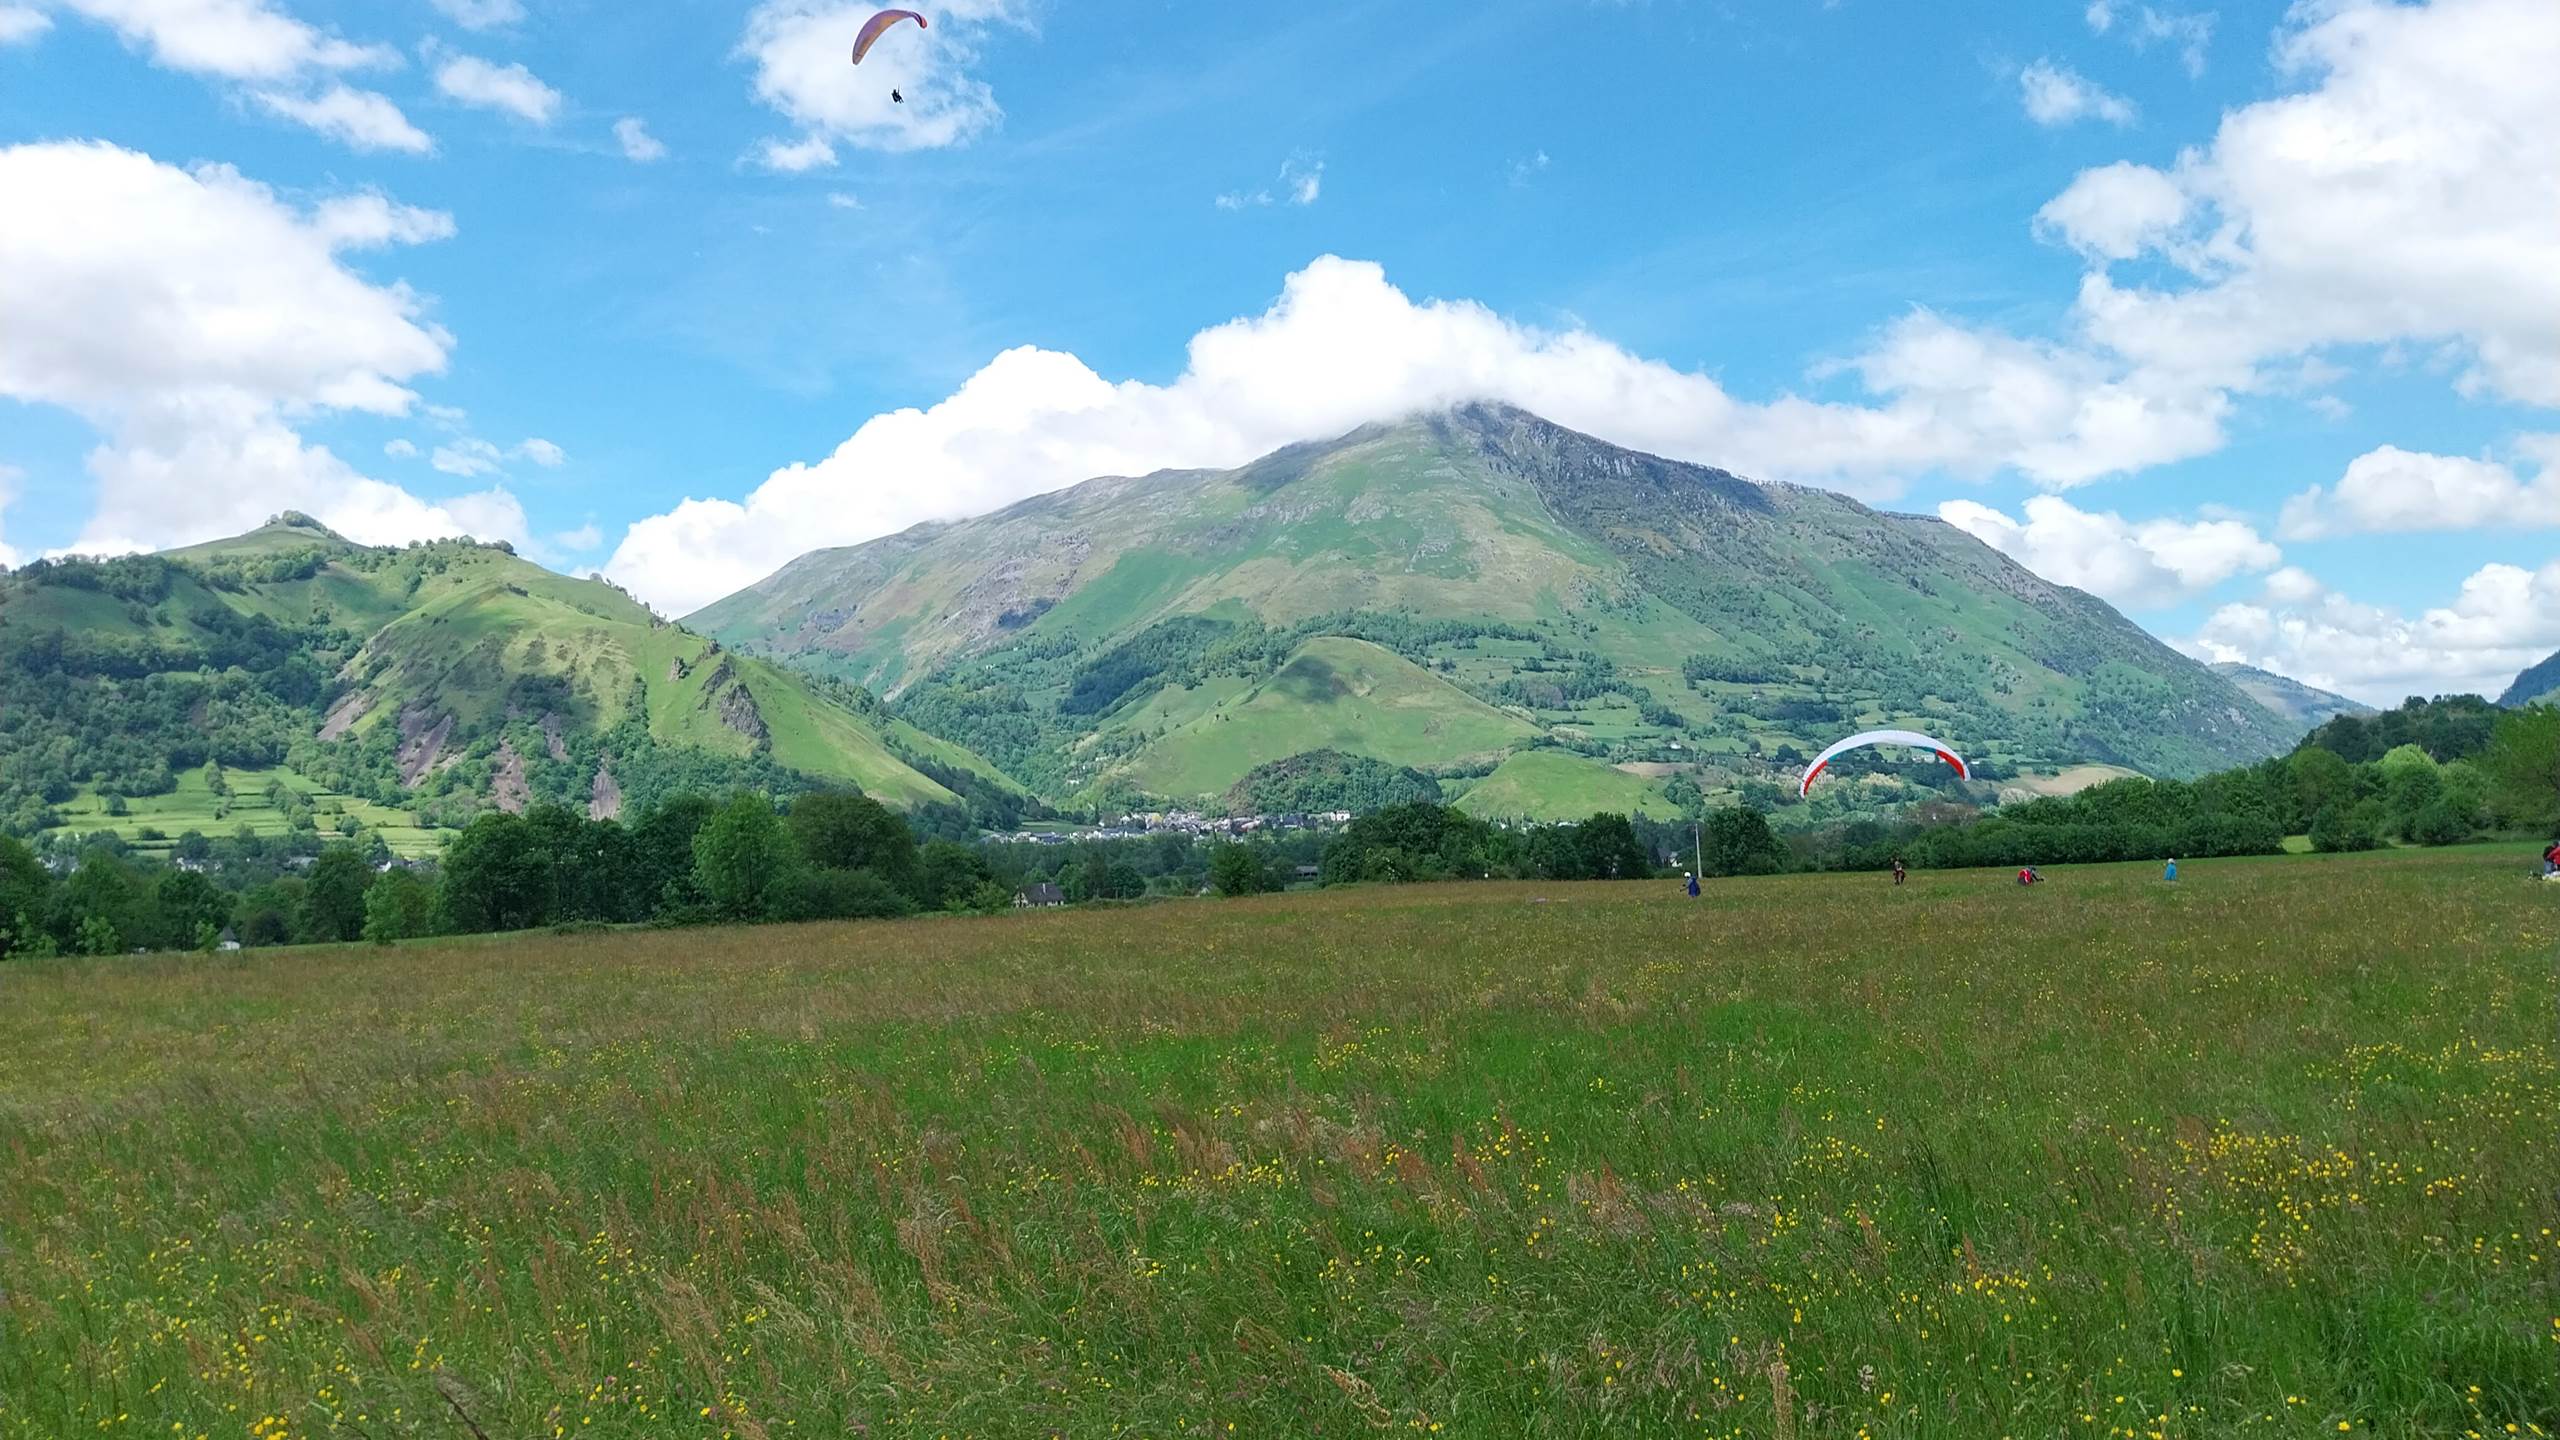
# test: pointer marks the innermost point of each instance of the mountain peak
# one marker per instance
(2304, 706)
(287, 530)
(1637, 610)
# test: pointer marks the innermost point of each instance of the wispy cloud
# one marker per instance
(793, 157)
(2059, 95)
(468, 457)
(509, 88)
(2143, 27)
(1301, 183)
(638, 145)
(481, 14)
(284, 65)
(20, 23)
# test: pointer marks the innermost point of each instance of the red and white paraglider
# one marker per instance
(1911, 739)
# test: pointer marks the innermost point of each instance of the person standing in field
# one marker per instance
(1693, 887)
(2171, 874)
(1898, 875)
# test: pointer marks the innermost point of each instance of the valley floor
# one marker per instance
(153, 823)
(2267, 1153)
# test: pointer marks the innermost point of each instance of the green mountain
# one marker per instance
(2304, 707)
(409, 686)
(1334, 693)
(2539, 684)
(1165, 635)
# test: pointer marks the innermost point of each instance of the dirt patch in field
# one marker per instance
(2071, 781)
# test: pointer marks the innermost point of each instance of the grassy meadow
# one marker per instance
(1555, 785)
(194, 806)
(1336, 694)
(2271, 1153)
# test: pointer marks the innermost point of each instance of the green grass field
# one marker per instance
(2271, 1153)
(1558, 785)
(194, 806)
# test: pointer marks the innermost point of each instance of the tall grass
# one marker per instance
(2270, 1153)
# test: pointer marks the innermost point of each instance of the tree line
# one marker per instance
(745, 859)
(695, 859)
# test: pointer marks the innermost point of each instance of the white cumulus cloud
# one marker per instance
(2134, 564)
(2115, 212)
(401, 449)
(1342, 346)
(188, 316)
(2502, 619)
(541, 452)
(2405, 196)
(800, 49)
(2059, 95)
(2392, 491)
(638, 145)
(509, 88)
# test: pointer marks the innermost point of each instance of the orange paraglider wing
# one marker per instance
(877, 26)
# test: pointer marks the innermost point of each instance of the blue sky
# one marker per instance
(2244, 316)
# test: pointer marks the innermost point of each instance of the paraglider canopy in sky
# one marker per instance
(1867, 738)
(877, 26)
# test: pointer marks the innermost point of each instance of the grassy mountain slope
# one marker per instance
(520, 643)
(2305, 707)
(1385, 521)
(429, 681)
(1631, 607)
(1554, 785)
(1333, 694)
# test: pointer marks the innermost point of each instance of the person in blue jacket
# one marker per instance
(1693, 887)
(2171, 874)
